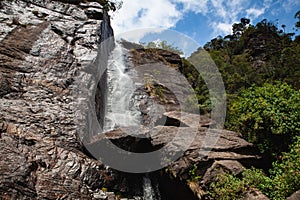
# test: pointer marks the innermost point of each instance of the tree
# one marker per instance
(297, 16)
(239, 28)
(164, 45)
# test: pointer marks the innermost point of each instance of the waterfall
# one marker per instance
(120, 111)
(149, 193)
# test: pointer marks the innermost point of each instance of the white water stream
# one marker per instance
(120, 111)
(148, 192)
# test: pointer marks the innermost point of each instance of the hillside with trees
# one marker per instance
(260, 67)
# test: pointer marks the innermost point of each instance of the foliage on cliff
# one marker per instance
(165, 46)
(284, 179)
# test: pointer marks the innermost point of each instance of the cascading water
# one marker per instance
(149, 192)
(120, 110)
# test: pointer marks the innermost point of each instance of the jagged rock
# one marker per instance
(226, 146)
(254, 194)
(196, 188)
(295, 196)
(142, 56)
(46, 47)
(152, 67)
(211, 159)
(94, 13)
(100, 195)
(221, 167)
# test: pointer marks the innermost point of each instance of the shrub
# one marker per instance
(227, 187)
(286, 173)
(284, 179)
(194, 177)
(268, 116)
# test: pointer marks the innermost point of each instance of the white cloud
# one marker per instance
(223, 27)
(194, 6)
(136, 34)
(136, 14)
(254, 13)
(225, 13)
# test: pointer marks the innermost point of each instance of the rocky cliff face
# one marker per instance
(46, 47)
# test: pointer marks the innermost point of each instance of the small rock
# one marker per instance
(90, 4)
(100, 195)
(295, 196)
(254, 194)
(94, 13)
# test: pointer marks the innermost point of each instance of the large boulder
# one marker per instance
(220, 168)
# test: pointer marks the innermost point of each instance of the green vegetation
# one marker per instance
(199, 86)
(286, 173)
(154, 88)
(255, 55)
(260, 67)
(227, 187)
(194, 177)
(163, 45)
(284, 179)
(267, 116)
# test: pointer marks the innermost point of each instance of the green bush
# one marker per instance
(286, 173)
(256, 178)
(283, 181)
(268, 116)
(227, 187)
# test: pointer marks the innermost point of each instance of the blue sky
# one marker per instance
(195, 22)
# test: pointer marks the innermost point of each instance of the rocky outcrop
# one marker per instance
(294, 196)
(254, 194)
(221, 167)
(46, 47)
(229, 155)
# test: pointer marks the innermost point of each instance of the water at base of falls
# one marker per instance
(120, 110)
(149, 192)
